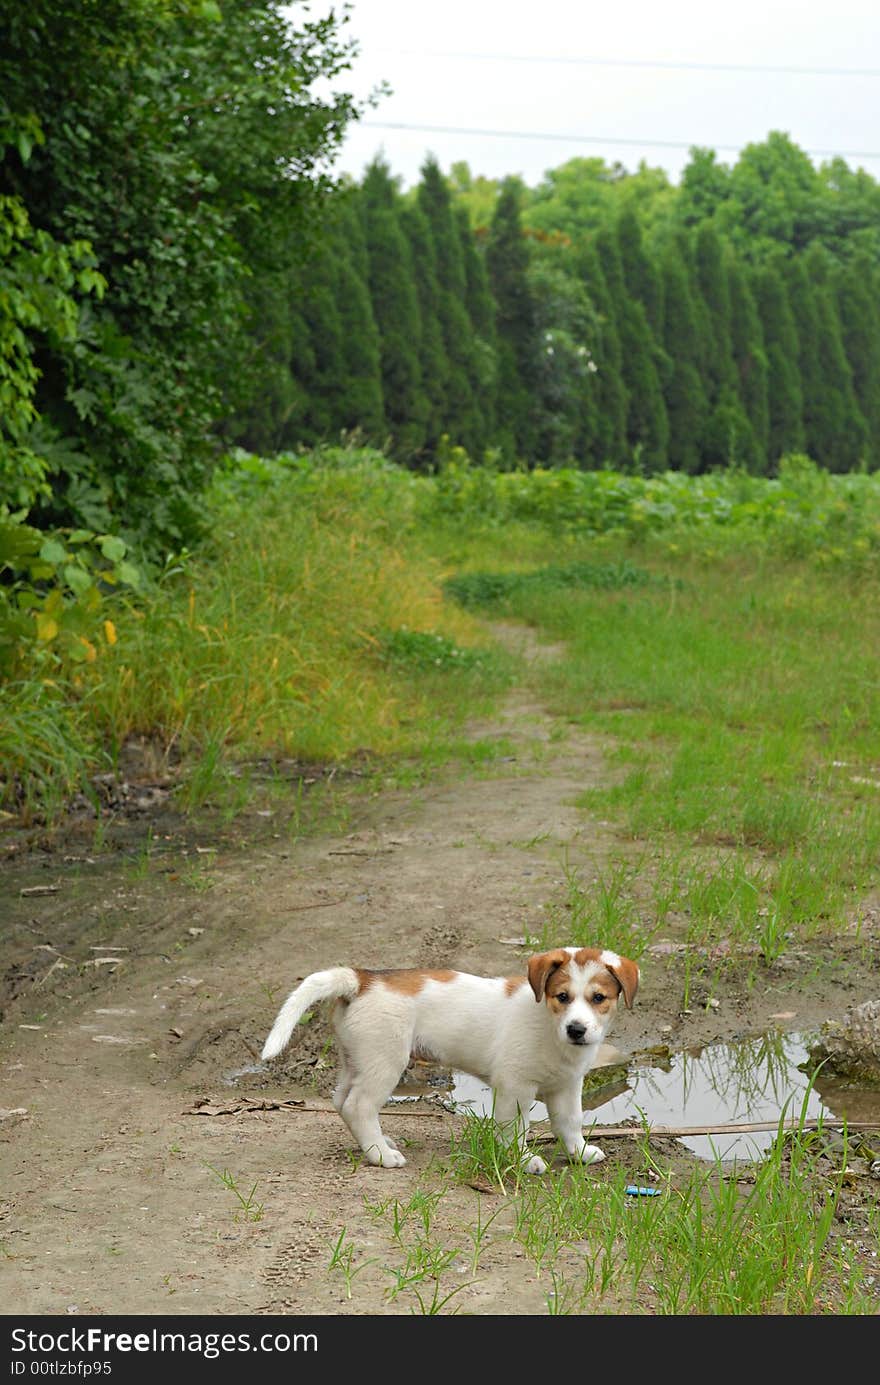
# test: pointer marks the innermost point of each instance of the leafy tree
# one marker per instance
(705, 186)
(567, 328)
(182, 140)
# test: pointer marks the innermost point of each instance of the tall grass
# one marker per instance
(305, 627)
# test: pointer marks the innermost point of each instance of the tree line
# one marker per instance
(601, 319)
(182, 271)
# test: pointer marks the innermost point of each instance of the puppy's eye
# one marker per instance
(563, 997)
(597, 997)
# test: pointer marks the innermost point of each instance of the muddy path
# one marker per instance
(150, 1165)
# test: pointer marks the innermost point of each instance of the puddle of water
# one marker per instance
(231, 1078)
(723, 1084)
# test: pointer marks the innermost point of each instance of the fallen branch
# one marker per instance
(604, 1132)
(241, 1105)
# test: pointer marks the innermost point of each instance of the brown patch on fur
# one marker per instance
(542, 966)
(627, 977)
(512, 984)
(407, 981)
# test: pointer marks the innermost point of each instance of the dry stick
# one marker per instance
(746, 1128)
(602, 1132)
(666, 1131)
(321, 904)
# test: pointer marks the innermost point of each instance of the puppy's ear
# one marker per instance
(540, 968)
(627, 975)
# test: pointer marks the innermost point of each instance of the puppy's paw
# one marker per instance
(535, 1165)
(591, 1154)
(395, 1160)
(384, 1159)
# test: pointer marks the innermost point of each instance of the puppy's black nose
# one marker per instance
(576, 1031)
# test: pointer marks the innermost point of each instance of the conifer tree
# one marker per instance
(836, 426)
(713, 306)
(433, 362)
(396, 310)
(683, 389)
(647, 425)
(785, 404)
(507, 260)
(749, 361)
(610, 444)
(858, 297)
(463, 419)
(359, 387)
(642, 279)
(481, 314)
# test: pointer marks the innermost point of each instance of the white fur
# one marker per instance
(472, 1023)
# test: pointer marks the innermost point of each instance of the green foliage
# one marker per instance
(427, 650)
(805, 511)
(183, 143)
(41, 285)
(480, 589)
(56, 607)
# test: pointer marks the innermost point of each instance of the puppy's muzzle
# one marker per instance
(576, 1031)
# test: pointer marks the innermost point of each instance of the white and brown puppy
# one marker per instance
(490, 1027)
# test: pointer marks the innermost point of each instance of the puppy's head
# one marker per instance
(581, 987)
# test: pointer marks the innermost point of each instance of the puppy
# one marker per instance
(528, 1037)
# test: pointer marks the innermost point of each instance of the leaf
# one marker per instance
(113, 547)
(129, 573)
(109, 632)
(53, 552)
(77, 579)
(47, 628)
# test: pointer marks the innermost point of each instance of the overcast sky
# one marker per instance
(639, 79)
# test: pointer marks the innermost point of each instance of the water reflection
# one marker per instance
(750, 1081)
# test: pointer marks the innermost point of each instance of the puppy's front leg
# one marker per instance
(511, 1111)
(566, 1122)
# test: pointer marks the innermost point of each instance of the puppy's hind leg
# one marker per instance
(367, 1091)
(511, 1112)
(344, 1083)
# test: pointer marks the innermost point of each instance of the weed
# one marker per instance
(342, 1259)
(248, 1208)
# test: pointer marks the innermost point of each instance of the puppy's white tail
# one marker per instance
(337, 983)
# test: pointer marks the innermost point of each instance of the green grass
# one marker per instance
(760, 1239)
(309, 626)
(738, 702)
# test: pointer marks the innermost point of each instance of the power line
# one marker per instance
(640, 62)
(597, 139)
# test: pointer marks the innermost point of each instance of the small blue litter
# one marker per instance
(635, 1191)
